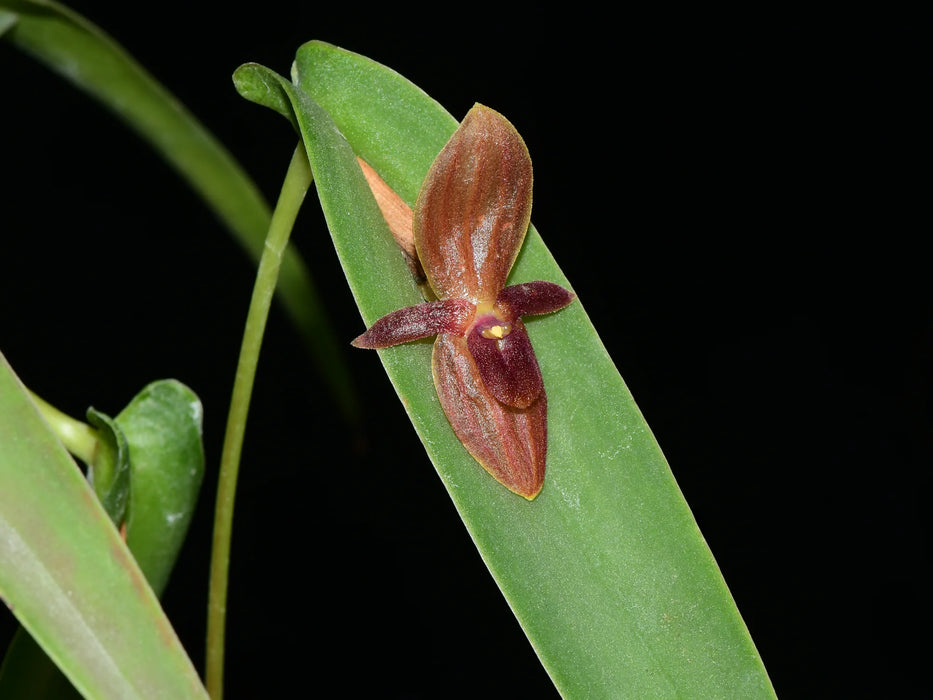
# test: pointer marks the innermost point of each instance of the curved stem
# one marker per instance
(296, 184)
(79, 438)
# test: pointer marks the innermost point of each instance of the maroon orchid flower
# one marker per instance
(469, 222)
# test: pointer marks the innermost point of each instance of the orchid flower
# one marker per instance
(469, 222)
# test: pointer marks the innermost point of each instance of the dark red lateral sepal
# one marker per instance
(416, 322)
(533, 298)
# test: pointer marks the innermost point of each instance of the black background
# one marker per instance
(736, 201)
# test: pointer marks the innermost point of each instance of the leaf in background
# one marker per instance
(81, 53)
(68, 577)
(7, 20)
(27, 673)
(606, 571)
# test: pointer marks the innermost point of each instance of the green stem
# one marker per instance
(79, 438)
(296, 184)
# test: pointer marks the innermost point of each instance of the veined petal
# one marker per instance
(533, 298)
(507, 365)
(415, 322)
(474, 208)
(510, 443)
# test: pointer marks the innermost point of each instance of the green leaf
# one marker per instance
(83, 54)
(157, 438)
(7, 20)
(606, 570)
(147, 469)
(109, 472)
(162, 425)
(68, 577)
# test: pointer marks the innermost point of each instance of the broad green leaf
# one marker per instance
(68, 577)
(157, 437)
(162, 425)
(606, 570)
(83, 54)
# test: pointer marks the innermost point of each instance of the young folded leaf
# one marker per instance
(469, 222)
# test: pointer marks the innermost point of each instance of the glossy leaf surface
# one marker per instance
(606, 570)
(67, 575)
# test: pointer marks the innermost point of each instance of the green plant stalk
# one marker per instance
(296, 184)
(79, 438)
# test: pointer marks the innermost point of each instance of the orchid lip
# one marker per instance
(491, 326)
(506, 362)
